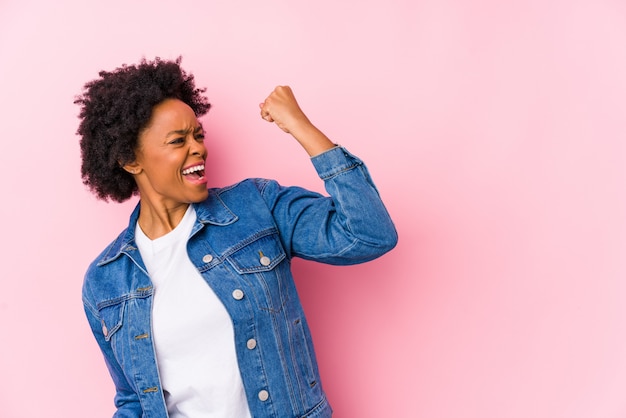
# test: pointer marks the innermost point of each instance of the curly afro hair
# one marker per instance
(115, 109)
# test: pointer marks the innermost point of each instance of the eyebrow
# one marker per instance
(185, 131)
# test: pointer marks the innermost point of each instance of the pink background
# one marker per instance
(495, 131)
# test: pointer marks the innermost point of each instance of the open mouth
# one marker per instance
(194, 173)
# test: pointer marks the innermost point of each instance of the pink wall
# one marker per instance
(495, 131)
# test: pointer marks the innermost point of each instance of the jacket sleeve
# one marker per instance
(350, 226)
(126, 400)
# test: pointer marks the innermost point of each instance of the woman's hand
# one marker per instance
(282, 108)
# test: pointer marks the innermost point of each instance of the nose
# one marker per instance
(198, 148)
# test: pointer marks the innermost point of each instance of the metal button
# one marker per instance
(264, 395)
(265, 261)
(105, 330)
(207, 258)
(251, 344)
(238, 294)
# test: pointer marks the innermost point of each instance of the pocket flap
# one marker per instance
(111, 316)
(262, 254)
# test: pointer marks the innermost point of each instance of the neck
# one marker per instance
(157, 220)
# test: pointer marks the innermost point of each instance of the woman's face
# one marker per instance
(169, 165)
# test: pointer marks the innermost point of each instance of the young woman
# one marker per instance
(194, 305)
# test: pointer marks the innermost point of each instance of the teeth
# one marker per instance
(193, 169)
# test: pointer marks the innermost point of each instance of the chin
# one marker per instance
(200, 197)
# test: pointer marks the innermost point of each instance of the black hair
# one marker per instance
(115, 108)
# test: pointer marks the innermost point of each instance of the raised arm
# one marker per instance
(352, 225)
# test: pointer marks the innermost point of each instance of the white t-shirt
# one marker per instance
(192, 332)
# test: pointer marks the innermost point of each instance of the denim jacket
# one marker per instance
(242, 244)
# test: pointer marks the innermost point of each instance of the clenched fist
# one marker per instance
(282, 108)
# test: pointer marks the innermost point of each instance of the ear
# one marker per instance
(133, 168)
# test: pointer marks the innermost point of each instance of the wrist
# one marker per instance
(313, 140)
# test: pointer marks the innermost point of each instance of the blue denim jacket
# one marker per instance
(242, 242)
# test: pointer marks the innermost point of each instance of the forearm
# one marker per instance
(312, 139)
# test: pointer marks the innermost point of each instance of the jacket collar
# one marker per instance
(213, 211)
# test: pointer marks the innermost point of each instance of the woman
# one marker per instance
(193, 305)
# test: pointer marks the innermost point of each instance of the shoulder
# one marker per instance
(111, 251)
(253, 185)
(97, 274)
(245, 191)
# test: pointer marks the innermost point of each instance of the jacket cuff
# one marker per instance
(334, 161)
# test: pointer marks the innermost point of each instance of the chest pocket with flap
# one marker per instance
(111, 316)
(259, 260)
